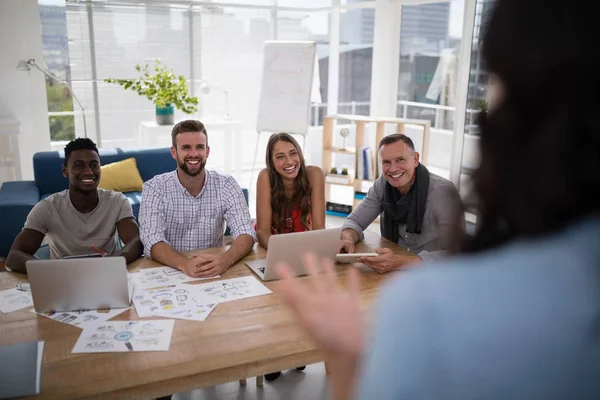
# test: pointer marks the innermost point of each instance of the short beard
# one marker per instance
(184, 167)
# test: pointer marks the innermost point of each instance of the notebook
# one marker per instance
(20, 369)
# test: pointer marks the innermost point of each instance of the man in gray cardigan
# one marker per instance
(419, 210)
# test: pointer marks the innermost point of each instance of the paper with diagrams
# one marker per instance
(15, 299)
(125, 336)
(228, 290)
(171, 301)
(161, 276)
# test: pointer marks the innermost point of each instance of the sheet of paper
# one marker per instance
(167, 299)
(15, 299)
(83, 318)
(161, 276)
(228, 290)
(197, 313)
(124, 336)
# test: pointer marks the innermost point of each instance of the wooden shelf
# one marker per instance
(339, 184)
(338, 150)
(360, 124)
(350, 180)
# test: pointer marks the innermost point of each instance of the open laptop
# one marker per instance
(78, 284)
(291, 247)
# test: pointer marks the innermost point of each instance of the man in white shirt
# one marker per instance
(186, 209)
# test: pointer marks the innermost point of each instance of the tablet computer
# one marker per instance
(347, 258)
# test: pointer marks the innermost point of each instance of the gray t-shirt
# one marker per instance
(70, 232)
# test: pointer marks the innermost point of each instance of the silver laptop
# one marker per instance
(78, 284)
(291, 247)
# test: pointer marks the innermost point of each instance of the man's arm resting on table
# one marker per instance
(129, 232)
(238, 249)
(163, 253)
(23, 249)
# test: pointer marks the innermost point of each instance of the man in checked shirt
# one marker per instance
(187, 209)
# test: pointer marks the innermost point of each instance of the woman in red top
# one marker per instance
(290, 196)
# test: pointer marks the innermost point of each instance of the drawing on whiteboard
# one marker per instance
(286, 67)
(125, 336)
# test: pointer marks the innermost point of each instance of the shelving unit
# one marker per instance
(360, 122)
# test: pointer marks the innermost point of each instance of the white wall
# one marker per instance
(24, 93)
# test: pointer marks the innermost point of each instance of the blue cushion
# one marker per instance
(135, 199)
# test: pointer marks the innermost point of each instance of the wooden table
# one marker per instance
(239, 339)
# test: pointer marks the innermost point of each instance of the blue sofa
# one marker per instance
(18, 198)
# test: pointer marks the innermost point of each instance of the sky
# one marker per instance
(319, 23)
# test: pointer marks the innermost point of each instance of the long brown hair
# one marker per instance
(281, 205)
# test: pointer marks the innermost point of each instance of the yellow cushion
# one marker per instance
(121, 176)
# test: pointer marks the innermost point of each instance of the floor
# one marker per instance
(309, 384)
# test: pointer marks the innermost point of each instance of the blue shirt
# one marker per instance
(518, 322)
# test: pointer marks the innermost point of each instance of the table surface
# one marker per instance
(239, 339)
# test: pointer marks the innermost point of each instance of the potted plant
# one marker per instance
(165, 89)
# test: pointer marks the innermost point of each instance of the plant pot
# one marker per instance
(165, 115)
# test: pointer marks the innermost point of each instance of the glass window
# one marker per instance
(356, 59)
(56, 61)
(429, 46)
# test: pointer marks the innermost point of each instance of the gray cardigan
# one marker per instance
(443, 214)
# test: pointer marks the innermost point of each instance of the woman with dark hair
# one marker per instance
(290, 196)
(517, 316)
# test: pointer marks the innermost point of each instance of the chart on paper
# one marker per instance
(124, 336)
(175, 301)
(228, 290)
(160, 276)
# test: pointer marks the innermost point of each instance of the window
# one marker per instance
(56, 58)
(356, 59)
(429, 45)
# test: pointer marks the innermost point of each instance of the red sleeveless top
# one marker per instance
(293, 223)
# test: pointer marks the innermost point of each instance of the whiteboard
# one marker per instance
(287, 83)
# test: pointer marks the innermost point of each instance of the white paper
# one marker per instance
(228, 290)
(197, 313)
(168, 300)
(125, 336)
(161, 276)
(15, 299)
(82, 318)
